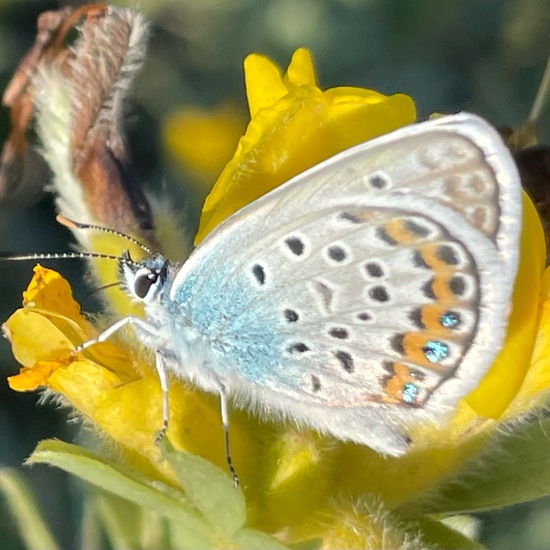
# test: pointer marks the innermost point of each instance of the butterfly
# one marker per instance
(366, 295)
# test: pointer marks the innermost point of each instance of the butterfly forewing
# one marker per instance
(367, 293)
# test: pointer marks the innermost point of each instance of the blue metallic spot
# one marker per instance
(409, 393)
(435, 351)
(450, 319)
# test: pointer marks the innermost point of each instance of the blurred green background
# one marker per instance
(483, 56)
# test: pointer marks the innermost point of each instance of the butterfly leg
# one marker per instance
(162, 371)
(161, 356)
(225, 425)
(139, 324)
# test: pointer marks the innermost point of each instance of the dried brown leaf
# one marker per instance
(98, 69)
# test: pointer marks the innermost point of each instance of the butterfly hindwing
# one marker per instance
(367, 293)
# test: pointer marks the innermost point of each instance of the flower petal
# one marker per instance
(495, 394)
(293, 130)
(264, 84)
(300, 71)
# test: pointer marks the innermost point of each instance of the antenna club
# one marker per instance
(67, 222)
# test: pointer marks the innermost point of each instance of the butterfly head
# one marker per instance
(143, 280)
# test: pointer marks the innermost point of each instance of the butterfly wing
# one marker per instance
(367, 293)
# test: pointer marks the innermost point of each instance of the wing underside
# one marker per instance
(370, 291)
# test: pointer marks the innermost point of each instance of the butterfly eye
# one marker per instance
(143, 283)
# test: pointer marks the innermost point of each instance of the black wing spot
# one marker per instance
(379, 293)
(418, 375)
(396, 343)
(337, 253)
(427, 289)
(389, 367)
(295, 245)
(364, 316)
(447, 254)
(298, 347)
(415, 228)
(378, 181)
(457, 286)
(374, 269)
(349, 217)
(419, 261)
(259, 273)
(315, 383)
(339, 332)
(415, 315)
(346, 360)
(383, 235)
(291, 316)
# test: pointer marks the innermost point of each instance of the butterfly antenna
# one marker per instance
(542, 92)
(58, 256)
(71, 224)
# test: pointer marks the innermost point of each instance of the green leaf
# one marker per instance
(250, 538)
(90, 528)
(209, 488)
(311, 544)
(125, 523)
(515, 468)
(32, 528)
(179, 538)
(128, 485)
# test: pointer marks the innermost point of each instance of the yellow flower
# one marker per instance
(107, 384)
(295, 125)
(201, 140)
(298, 484)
